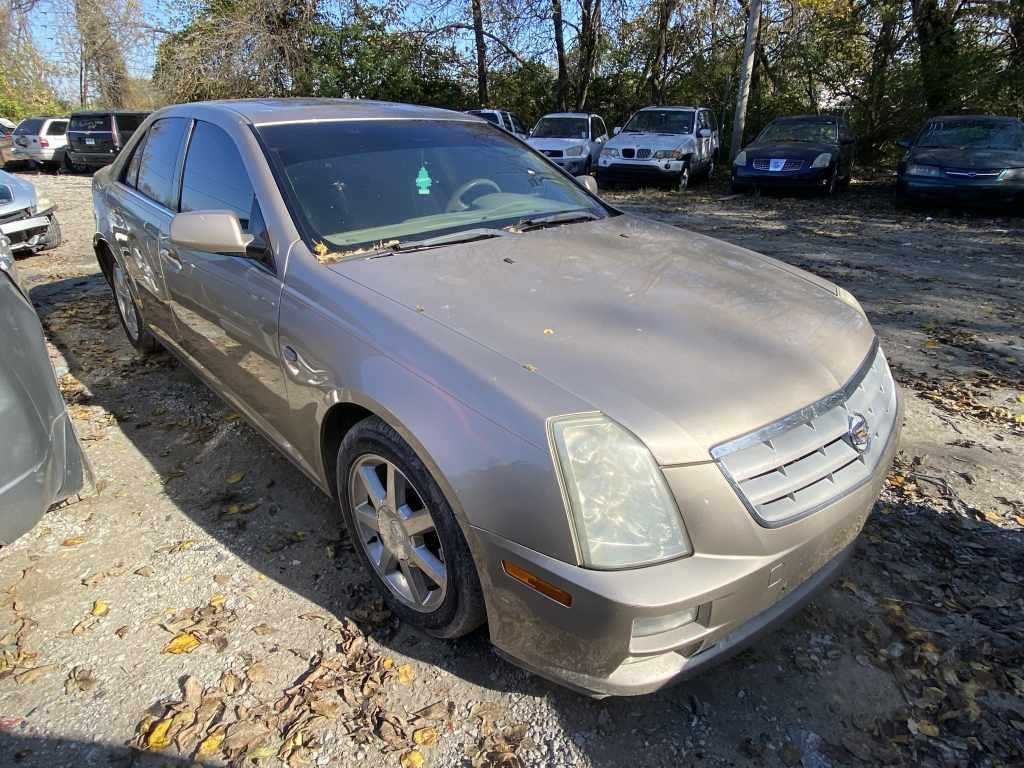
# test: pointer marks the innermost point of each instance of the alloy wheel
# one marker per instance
(125, 303)
(397, 533)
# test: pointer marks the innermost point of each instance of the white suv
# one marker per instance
(661, 145)
(40, 140)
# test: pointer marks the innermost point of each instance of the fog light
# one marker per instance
(646, 626)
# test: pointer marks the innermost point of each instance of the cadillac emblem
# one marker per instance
(859, 433)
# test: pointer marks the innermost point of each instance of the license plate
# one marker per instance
(93, 141)
(776, 165)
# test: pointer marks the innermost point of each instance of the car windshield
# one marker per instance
(28, 127)
(562, 128)
(978, 134)
(660, 121)
(89, 123)
(811, 131)
(357, 183)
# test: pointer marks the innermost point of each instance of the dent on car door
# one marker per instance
(141, 204)
(41, 461)
(228, 303)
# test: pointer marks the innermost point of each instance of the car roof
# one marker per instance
(295, 110)
(807, 119)
(568, 114)
(100, 112)
(673, 107)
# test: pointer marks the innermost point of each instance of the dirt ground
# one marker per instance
(203, 540)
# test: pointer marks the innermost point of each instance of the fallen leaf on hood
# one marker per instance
(31, 675)
(73, 541)
(100, 608)
(234, 478)
(186, 642)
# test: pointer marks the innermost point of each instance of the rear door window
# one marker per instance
(158, 166)
(30, 127)
(215, 177)
(90, 123)
(57, 128)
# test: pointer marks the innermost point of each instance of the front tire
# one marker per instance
(135, 328)
(53, 235)
(405, 532)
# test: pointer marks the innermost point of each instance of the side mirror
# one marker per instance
(211, 231)
(589, 182)
(904, 143)
(616, 129)
(705, 133)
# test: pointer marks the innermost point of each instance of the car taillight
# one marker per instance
(44, 143)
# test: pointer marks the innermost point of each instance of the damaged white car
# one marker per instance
(28, 219)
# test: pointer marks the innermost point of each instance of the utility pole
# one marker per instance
(746, 70)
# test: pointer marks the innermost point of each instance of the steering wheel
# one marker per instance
(455, 203)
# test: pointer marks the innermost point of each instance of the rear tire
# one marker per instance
(135, 328)
(70, 166)
(459, 608)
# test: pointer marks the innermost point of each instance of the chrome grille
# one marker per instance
(764, 164)
(643, 154)
(628, 154)
(970, 173)
(807, 460)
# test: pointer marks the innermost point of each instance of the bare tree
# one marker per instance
(562, 91)
(589, 37)
(746, 70)
(481, 53)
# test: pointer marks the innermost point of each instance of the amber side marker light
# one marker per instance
(535, 582)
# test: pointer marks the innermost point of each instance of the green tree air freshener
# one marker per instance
(423, 181)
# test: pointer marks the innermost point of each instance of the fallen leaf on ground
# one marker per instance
(73, 541)
(425, 737)
(412, 759)
(100, 608)
(157, 737)
(31, 675)
(406, 674)
(186, 642)
(210, 746)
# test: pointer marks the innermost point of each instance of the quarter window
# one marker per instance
(57, 128)
(159, 164)
(131, 175)
(215, 176)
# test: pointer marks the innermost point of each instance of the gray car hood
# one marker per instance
(23, 191)
(649, 140)
(685, 340)
(562, 144)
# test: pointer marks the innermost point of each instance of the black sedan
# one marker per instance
(809, 151)
(965, 157)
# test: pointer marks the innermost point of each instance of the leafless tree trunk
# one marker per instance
(481, 53)
(590, 32)
(102, 53)
(657, 84)
(562, 92)
(746, 70)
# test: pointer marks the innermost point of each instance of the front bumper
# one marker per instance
(26, 233)
(804, 178)
(965, 190)
(572, 165)
(639, 171)
(743, 581)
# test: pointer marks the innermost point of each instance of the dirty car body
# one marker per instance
(27, 219)
(41, 460)
(638, 447)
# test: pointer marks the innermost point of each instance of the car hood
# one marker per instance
(798, 150)
(966, 157)
(685, 340)
(562, 144)
(24, 193)
(650, 140)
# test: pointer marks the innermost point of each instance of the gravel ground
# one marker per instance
(203, 540)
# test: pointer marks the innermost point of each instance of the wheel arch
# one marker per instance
(104, 255)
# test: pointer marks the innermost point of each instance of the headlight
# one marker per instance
(621, 508)
(741, 159)
(669, 154)
(822, 161)
(923, 170)
(574, 151)
(1012, 174)
(43, 204)
(610, 152)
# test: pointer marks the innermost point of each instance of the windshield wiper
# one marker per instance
(554, 219)
(465, 236)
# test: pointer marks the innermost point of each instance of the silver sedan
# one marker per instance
(628, 448)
